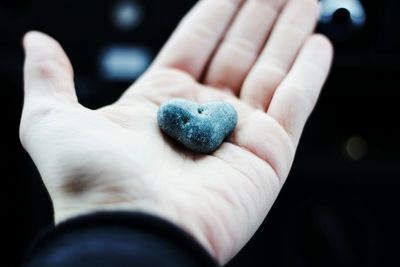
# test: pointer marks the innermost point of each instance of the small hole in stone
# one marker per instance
(185, 120)
(200, 110)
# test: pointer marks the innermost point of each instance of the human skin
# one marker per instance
(261, 56)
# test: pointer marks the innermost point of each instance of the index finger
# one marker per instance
(196, 37)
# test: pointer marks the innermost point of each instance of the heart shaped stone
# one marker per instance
(200, 127)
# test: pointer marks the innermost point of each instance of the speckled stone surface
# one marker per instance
(201, 128)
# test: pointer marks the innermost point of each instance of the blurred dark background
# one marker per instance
(339, 206)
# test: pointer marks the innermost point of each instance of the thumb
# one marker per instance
(48, 85)
(48, 73)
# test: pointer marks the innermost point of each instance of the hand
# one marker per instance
(116, 158)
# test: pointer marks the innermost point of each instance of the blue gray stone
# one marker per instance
(200, 127)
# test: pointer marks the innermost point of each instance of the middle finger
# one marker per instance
(242, 44)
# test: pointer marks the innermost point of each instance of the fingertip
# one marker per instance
(37, 40)
(31, 36)
(311, 7)
(319, 49)
(323, 41)
(314, 4)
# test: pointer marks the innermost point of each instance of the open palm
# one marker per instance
(260, 56)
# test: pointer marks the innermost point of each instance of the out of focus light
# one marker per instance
(124, 63)
(127, 15)
(356, 147)
(354, 9)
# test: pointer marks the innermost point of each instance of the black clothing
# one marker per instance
(117, 239)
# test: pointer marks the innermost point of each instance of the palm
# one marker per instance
(233, 184)
(220, 198)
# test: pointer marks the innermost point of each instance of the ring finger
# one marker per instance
(294, 26)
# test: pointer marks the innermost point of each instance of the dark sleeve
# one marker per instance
(117, 239)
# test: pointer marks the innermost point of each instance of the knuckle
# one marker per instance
(50, 68)
(46, 68)
(241, 46)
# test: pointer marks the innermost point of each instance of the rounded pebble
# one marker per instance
(201, 128)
